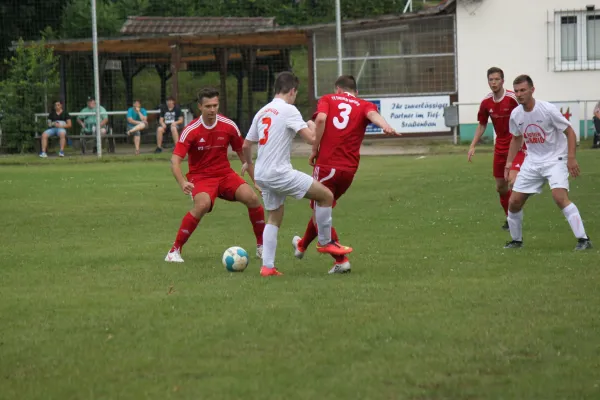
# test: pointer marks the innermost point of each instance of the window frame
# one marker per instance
(582, 62)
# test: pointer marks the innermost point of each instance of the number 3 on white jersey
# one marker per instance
(342, 121)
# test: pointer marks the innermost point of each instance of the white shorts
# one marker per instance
(292, 183)
(532, 177)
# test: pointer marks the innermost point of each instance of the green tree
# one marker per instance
(76, 19)
(32, 73)
(26, 19)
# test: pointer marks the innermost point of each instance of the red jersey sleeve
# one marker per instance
(235, 138)
(185, 140)
(322, 106)
(483, 115)
(368, 107)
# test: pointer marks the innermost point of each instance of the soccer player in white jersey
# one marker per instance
(551, 144)
(274, 127)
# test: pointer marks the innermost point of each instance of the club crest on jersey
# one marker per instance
(534, 134)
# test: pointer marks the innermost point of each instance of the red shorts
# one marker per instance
(223, 187)
(518, 161)
(338, 181)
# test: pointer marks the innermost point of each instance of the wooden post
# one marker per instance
(249, 57)
(162, 74)
(312, 99)
(127, 70)
(222, 58)
(240, 96)
(175, 65)
(63, 80)
(270, 82)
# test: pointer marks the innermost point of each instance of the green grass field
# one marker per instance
(434, 307)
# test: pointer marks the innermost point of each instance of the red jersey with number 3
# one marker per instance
(344, 130)
(206, 146)
(499, 111)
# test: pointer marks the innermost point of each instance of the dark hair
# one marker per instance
(495, 70)
(285, 82)
(207, 93)
(346, 82)
(91, 98)
(523, 78)
(171, 98)
(57, 101)
(136, 101)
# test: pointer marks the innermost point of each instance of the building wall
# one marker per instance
(517, 36)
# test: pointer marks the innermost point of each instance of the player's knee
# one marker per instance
(561, 198)
(502, 188)
(326, 198)
(515, 204)
(201, 207)
(253, 200)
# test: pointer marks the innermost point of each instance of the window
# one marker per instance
(577, 40)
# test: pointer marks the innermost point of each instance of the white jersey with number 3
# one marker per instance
(542, 129)
(274, 128)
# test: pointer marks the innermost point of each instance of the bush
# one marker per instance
(33, 73)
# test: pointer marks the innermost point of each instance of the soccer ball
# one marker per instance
(235, 259)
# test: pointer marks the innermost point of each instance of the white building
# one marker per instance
(556, 42)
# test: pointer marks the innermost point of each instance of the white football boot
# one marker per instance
(298, 252)
(341, 268)
(174, 256)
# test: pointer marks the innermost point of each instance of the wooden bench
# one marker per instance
(84, 139)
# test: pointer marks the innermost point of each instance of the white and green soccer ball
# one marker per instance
(235, 259)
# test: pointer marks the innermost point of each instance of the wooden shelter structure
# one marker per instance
(255, 48)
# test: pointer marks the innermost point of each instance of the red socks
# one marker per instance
(257, 218)
(504, 201)
(310, 234)
(188, 226)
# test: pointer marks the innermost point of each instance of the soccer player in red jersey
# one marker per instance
(498, 105)
(205, 141)
(341, 121)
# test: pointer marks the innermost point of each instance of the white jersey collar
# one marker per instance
(206, 126)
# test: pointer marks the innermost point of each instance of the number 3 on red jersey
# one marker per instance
(341, 122)
(264, 136)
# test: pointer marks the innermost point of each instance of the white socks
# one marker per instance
(269, 245)
(515, 224)
(324, 223)
(571, 213)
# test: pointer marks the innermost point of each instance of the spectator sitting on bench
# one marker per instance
(58, 122)
(88, 122)
(171, 120)
(137, 121)
(596, 120)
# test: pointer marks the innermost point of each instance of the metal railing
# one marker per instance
(187, 116)
(586, 118)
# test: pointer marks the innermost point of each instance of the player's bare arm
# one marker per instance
(186, 186)
(516, 144)
(572, 164)
(378, 120)
(307, 134)
(319, 130)
(247, 162)
(478, 134)
(161, 122)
